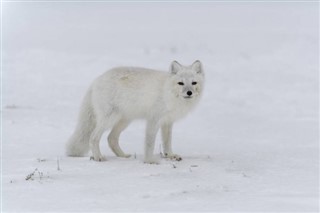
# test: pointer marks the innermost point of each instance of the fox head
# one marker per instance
(187, 81)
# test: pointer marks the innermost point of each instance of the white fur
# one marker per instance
(126, 93)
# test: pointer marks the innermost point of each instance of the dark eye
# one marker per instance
(194, 83)
(181, 83)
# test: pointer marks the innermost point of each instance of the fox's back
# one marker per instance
(133, 90)
(134, 77)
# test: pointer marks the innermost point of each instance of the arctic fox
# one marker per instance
(123, 94)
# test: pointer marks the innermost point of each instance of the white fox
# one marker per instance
(126, 93)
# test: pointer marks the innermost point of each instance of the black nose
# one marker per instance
(189, 93)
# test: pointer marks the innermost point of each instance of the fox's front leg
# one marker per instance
(166, 131)
(151, 132)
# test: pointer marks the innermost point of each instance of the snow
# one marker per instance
(252, 144)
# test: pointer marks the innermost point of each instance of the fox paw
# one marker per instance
(124, 156)
(173, 157)
(98, 158)
(151, 161)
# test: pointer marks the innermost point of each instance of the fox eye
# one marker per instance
(181, 83)
(194, 83)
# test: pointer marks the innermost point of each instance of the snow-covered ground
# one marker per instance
(251, 145)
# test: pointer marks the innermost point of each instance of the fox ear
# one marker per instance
(197, 66)
(175, 67)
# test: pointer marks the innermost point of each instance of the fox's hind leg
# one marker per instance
(113, 138)
(106, 121)
(94, 143)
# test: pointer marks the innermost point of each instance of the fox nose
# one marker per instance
(189, 93)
